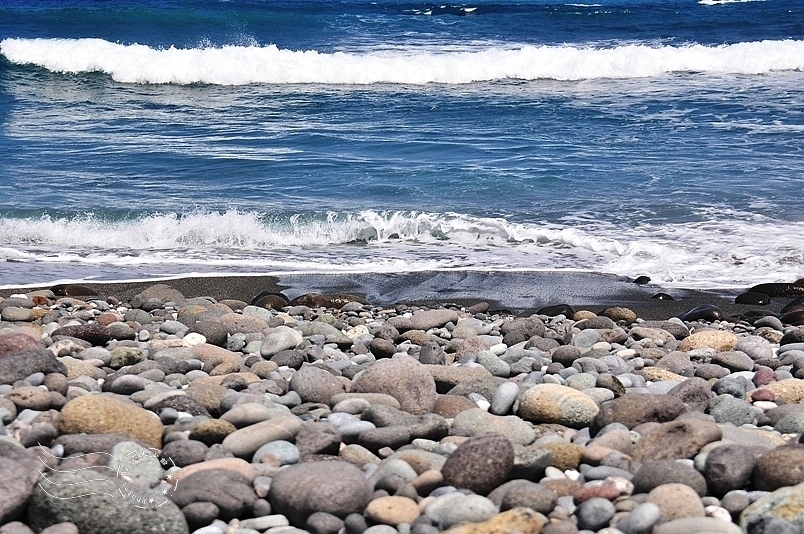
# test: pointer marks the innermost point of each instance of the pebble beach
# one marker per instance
(239, 406)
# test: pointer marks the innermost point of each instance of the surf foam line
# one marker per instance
(707, 254)
(241, 65)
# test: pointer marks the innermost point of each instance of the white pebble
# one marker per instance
(193, 339)
(765, 405)
(718, 512)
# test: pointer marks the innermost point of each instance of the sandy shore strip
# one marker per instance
(518, 292)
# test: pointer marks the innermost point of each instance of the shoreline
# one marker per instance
(520, 292)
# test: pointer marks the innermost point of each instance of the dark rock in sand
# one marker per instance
(480, 463)
(229, 490)
(641, 280)
(793, 305)
(795, 318)
(73, 290)
(19, 365)
(335, 487)
(676, 439)
(755, 299)
(704, 312)
(559, 309)
(662, 296)
(779, 290)
(654, 473)
(270, 299)
(20, 473)
(93, 502)
(637, 408)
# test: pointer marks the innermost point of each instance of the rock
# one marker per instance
(676, 439)
(229, 490)
(524, 493)
(185, 452)
(94, 501)
(782, 466)
(521, 329)
(480, 463)
(212, 431)
(424, 320)
(96, 334)
(789, 389)
(704, 312)
(519, 520)
(752, 298)
(180, 403)
(785, 506)
(281, 338)
(618, 314)
(29, 397)
(335, 487)
(553, 403)
(96, 414)
(728, 467)
(719, 340)
(136, 462)
(318, 438)
(18, 365)
(676, 501)
(245, 442)
(696, 393)
(637, 408)
(392, 510)
(655, 473)
(20, 470)
(233, 465)
(640, 520)
(595, 513)
(404, 378)
(734, 361)
(155, 296)
(314, 384)
(698, 525)
(16, 342)
(477, 421)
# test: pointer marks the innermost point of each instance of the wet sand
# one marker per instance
(518, 292)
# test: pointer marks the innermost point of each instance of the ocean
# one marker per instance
(149, 139)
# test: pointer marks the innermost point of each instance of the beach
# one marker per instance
(410, 403)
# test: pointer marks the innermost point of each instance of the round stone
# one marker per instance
(392, 510)
(553, 403)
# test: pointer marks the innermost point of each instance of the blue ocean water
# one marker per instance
(143, 139)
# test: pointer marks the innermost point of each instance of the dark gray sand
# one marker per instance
(518, 292)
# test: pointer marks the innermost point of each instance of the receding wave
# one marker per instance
(710, 254)
(240, 65)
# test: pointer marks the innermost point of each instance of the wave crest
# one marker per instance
(241, 65)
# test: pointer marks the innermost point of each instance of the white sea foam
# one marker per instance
(713, 254)
(239, 65)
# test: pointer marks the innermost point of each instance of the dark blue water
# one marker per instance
(143, 139)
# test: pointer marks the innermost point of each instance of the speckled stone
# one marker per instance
(480, 463)
(553, 403)
(95, 414)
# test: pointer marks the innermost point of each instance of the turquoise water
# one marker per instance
(148, 139)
